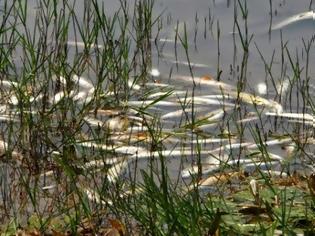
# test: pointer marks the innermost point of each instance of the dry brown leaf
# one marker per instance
(112, 232)
(56, 233)
(34, 232)
(288, 181)
(116, 224)
(311, 183)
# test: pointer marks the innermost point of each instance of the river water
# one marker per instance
(215, 30)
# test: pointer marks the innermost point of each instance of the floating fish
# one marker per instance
(205, 80)
(127, 150)
(182, 111)
(82, 82)
(282, 87)
(93, 196)
(116, 170)
(8, 118)
(217, 179)
(205, 101)
(151, 102)
(133, 85)
(101, 163)
(4, 147)
(84, 45)
(231, 92)
(270, 143)
(6, 84)
(186, 63)
(300, 116)
(309, 15)
(214, 166)
(167, 94)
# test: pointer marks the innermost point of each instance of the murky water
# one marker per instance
(225, 122)
(204, 18)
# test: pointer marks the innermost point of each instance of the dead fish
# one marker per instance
(216, 114)
(60, 96)
(107, 112)
(164, 40)
(218, 178)
(181, 112)
(205, 101)
(186, 63)
(168, 94)
(282, 87)
(84, 45)
(299, 116)
(4, 147)
(251, 167)
(127, 150)
(151, 102)
(309, 15)
(232, 146)
(274, 173)
(13, 100)
(209, 141)
(117, 123)
(49, 187)
(166, 153)
(133, 85)
(259, 101)
(115, 171)
(270, 143)
(6, 84)
(249, 118)
(191, 171)
(113, 124)
(215, 165)
(93, 196)
(231, 92)
(207, 81)
(101, 163)
(93, 121)
(82, 98)
(82, 82)
(310, 123)
(3, 108)
(8, 118)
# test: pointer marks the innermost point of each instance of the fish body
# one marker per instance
(309, 15)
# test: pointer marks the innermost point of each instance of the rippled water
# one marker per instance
(214, 46)
(204, 47)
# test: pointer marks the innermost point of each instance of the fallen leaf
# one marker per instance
(311, 184)
(116, 224)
